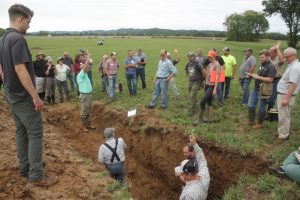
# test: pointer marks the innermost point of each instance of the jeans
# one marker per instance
(227, 86)
(60, 85)
(254, 99)
(291, 167)
(208, 96)
(161, 85)
(70, 76)
(273, 97)
(112, 85)
(117, 171)
(172, 83)
(131, 78)
(104, 82)
(245, 82)
(77, 88)
(220, 92)
(29, 138)
(141, 72)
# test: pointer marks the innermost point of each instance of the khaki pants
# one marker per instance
(86, 105)
(193, 90)
(284, 116)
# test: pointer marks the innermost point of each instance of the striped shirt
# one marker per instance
(197, 189)
(105, 154)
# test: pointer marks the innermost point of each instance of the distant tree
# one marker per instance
(290, 13)
(2, 31)
(248, 26)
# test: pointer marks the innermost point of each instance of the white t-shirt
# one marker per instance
(61, 72)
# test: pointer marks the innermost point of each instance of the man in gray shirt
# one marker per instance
(22, 98)
(248, 66)
(140, 70)
(287, 89)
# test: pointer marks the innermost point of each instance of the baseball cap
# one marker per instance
(113, 53)
(81, 50)
(248, 49)
(225, 49)
(108, 132)
(212, 54)
(190, 54)
(186, 166)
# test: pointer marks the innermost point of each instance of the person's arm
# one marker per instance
(233, 71)
(287, 97)
(173, 71)
(261, 78)
(101, 155)
(25, 79)
(177, 55)
(1, 72)
(217, 80)
(279, 54)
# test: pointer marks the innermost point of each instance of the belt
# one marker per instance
(85, 93)
(285, 94)
(161, 77)
(114, 163)
(276, 78)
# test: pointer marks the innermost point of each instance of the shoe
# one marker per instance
(150, 106)
(47, 181)
(244, 105)
(220, 104)
(279, 172)
(257, 126)
(163, 107)
(90, 127)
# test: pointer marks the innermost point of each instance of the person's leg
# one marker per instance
(220, 92)
(253, 99)
(291, 167)
(48, 89)
(193, 97)
(210, 104)
(272, 99)
(66, 89)
(156, 92)
(174, 87)
(128, 78)
(284, 116)
(227, 86)
(53, 86)
(115, 78)
(111, 87)
(143, 77)
(90, 75)
(134, 82)
(121, 172)
(59, 87)
(104, 80)
(29, 124)
(246, 83)
(164, 91)
(71, 78)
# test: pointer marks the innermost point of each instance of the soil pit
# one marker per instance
(154, 149)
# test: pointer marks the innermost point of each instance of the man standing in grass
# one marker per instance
(230, 69)
(130, 67)
(248, 66)
(22, 98)
(287, 89)
(172, 82)
(111, 69)
(70, 75)
(140, 70)
(265, 75)
(40, 67)
(165, 72)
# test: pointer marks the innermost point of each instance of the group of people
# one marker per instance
(27, 83)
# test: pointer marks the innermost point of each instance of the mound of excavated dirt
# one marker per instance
(79, 178)
(154, 149)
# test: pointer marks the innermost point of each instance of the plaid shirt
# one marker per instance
(197, 189)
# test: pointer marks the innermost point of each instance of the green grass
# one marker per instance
(231, 131)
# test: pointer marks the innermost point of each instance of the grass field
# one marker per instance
(231, 132)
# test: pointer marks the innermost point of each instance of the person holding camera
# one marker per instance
(50, 81)
(140, 69)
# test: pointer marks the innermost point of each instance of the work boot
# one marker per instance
(84, 124)
(200, 118)
(88, 125)
(47, 181)
(209, 115)
(48, 99)
(251, 118)
(53, 99)
(261, 118)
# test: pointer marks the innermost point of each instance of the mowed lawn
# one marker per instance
(231, 131)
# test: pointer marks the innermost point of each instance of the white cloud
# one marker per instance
(114, 14)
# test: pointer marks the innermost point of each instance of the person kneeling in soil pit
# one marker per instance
(112, 155)
(193, 172)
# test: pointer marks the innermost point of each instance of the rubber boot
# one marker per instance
(209, 115)
(261, 118)
(251, 112)
(48, 99)
(61, 98)
(200, 118)
(53, 99)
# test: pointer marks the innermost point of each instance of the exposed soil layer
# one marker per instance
(154, 149)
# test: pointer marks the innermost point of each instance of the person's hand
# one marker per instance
(176, 51)
(110, 77)
(215, 91)
(277, 45)
(193, 139)
(38, 103)
(169, 78)
(284, 101)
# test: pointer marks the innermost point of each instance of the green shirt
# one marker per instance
(84, 83)
(229, 63)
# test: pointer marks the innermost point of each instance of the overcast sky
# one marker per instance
(77, 15)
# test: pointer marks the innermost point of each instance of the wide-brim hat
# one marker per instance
(40, 53)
